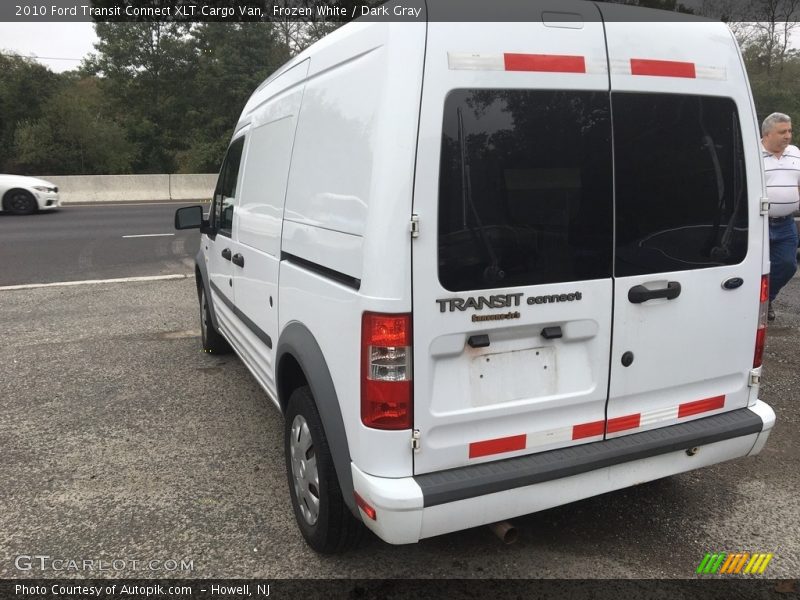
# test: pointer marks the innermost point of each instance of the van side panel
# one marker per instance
(269, 123)
(346, 245)
(332, 168)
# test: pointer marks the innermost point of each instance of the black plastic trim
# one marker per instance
(259, 333)
(204, 281)
(298, 342)
(337, 276)
(487, 478)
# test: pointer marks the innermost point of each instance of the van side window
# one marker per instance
(680, 183)
(525, 188)
(225, 193)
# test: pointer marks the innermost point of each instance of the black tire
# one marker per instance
(326, 523)
(213, 342)
(20, 202)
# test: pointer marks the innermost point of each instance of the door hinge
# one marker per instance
(755, 378)
(416, 443)
(414, 226)
(764, 206)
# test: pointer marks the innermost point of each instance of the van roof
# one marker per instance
(481, 11)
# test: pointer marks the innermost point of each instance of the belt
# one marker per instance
(776, 220)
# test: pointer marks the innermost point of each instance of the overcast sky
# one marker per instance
(60, 46)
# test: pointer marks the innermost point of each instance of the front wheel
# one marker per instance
(326, 523)
(20, 202)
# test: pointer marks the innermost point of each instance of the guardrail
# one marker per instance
(134, 188)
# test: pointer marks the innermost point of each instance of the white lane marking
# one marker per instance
(148, 235)
(31, 286)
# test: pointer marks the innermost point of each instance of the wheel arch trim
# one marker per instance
(297, 342)
(201, 271)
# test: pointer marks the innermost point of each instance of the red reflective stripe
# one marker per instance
(692, 408)
(585, 430)
(662, 68)
(623, 423)
(552, 63)
(507, 444)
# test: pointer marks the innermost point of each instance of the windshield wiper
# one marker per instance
(493, 273)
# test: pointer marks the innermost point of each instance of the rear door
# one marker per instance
(512, 267)
(688, 250)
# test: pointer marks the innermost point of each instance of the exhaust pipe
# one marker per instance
(505, 531)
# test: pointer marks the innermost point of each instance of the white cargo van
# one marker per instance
(488, 268)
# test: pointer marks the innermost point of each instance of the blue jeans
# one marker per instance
(782, 255)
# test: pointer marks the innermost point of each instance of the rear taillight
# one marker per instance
(386, 371)
(761, 334)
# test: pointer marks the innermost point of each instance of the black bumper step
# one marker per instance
(461, 483)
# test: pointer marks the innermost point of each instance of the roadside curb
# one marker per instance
(133, 202)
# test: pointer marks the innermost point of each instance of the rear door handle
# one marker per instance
(638, 293)
(226, 254)
(238, 259)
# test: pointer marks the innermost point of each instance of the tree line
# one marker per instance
(164, 97)
(152, 98)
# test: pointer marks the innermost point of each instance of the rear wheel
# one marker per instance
(213, 342)
(20, 202)
(326, 523)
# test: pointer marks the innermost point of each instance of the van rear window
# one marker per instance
(680, 183)
(528, 191)
(525, 188)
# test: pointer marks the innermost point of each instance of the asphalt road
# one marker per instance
(77, 243)
(121, 440)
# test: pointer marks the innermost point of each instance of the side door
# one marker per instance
(219, 244)
(512, 285)
(688, 256)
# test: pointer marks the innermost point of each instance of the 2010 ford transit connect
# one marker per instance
(485, 269)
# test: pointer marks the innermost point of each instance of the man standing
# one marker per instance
(782, 175)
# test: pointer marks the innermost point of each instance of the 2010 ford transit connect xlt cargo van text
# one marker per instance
(485, 269)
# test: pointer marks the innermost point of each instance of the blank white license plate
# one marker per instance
(513, 376)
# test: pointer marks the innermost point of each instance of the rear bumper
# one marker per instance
(412, 508)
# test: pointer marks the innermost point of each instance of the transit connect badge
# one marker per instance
(502, 301)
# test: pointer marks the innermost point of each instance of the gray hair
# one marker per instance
(773, 120)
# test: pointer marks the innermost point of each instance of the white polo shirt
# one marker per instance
(782, 176)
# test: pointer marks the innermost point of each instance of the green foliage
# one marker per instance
(145, 70)
(72, 137)
(232, 60)
(773, 69)
(178, 88)
(25, 86)
(154, 98)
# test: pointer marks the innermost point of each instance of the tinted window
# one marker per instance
(680, 183)
(525, 188)
(225, 193)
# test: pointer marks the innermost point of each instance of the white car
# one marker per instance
(22, 195)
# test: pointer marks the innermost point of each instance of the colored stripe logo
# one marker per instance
(726, 563)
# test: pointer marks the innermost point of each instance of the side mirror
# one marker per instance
(190, 217)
